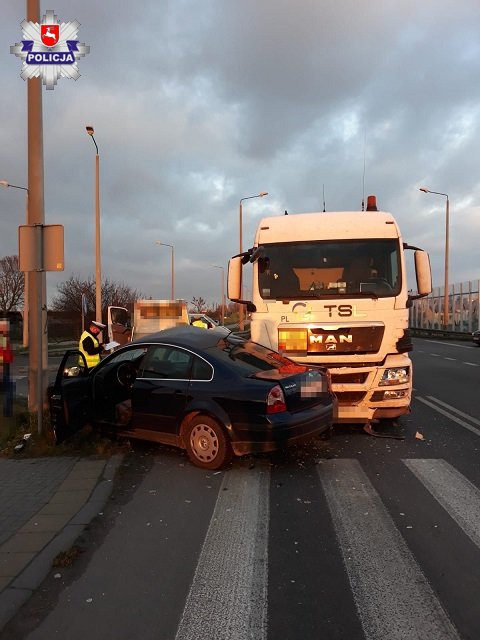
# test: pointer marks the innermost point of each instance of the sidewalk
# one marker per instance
(45, 504)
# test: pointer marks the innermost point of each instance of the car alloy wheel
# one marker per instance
(206, 443)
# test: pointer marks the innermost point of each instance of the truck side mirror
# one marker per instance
(423, 273)
(234, 284)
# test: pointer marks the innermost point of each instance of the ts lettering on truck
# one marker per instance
(344, 310)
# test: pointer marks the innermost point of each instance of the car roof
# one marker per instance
(186, 336)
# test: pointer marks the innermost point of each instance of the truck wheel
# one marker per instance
(207, 444)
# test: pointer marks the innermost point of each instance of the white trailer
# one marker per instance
(149, 316)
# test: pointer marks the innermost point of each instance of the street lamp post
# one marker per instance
(98, 265)
(216, 266)
(447, 214)
(241, 313)
(172, 285)
(4, 183)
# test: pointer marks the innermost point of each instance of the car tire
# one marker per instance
(206, 443)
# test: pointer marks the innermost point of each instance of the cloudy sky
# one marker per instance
(197, 104)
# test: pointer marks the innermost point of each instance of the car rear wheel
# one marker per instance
(207, 444)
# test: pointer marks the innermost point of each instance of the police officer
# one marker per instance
(90, 345)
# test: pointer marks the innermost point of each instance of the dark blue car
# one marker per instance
(209, 392)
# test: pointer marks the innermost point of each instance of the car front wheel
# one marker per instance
(207, 444)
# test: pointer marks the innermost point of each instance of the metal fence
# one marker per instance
(463, 309)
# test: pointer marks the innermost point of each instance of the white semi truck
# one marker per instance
(331, 289)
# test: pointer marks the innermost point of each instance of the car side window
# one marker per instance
(201, 369)
(129, 354)
(167, 362)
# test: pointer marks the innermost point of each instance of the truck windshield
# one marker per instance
(330, 268)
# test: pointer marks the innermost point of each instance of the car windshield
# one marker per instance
(319, 269)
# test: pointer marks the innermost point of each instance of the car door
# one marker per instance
(69, 398)
(160, 390)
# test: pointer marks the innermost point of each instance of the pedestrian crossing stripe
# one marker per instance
(457, 495)
(230, 581)
(393, 597)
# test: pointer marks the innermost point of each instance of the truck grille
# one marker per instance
(324, 341)
(357, 377)
(349, 397)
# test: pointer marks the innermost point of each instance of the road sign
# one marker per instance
(40, 247)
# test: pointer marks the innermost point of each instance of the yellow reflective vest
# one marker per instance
(200, 323)
(92, 361)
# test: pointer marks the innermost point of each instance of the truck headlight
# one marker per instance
(396, 375)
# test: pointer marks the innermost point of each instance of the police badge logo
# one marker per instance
(50, 50)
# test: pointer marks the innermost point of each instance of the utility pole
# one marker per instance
(37, 317)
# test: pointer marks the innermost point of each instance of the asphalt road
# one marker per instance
(349, 538)
(20, 372)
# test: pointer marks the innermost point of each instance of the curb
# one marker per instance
(86, 478)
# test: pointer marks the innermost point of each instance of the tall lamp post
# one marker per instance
(98, 265)
(4, 183)
(172, 282)
(241, 314)
(216, 266)
(447, 214)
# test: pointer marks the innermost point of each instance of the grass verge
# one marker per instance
(87, 442)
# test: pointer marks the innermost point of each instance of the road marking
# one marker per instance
(457, 495)
(454, 410)
(228, 595)
(438, 355)
(449, 414)
(393, 597)
(449, 344)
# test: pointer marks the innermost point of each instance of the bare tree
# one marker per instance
(69, 297)
(12, 284)
(199, 304)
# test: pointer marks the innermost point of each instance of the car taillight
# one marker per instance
(276, 400)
